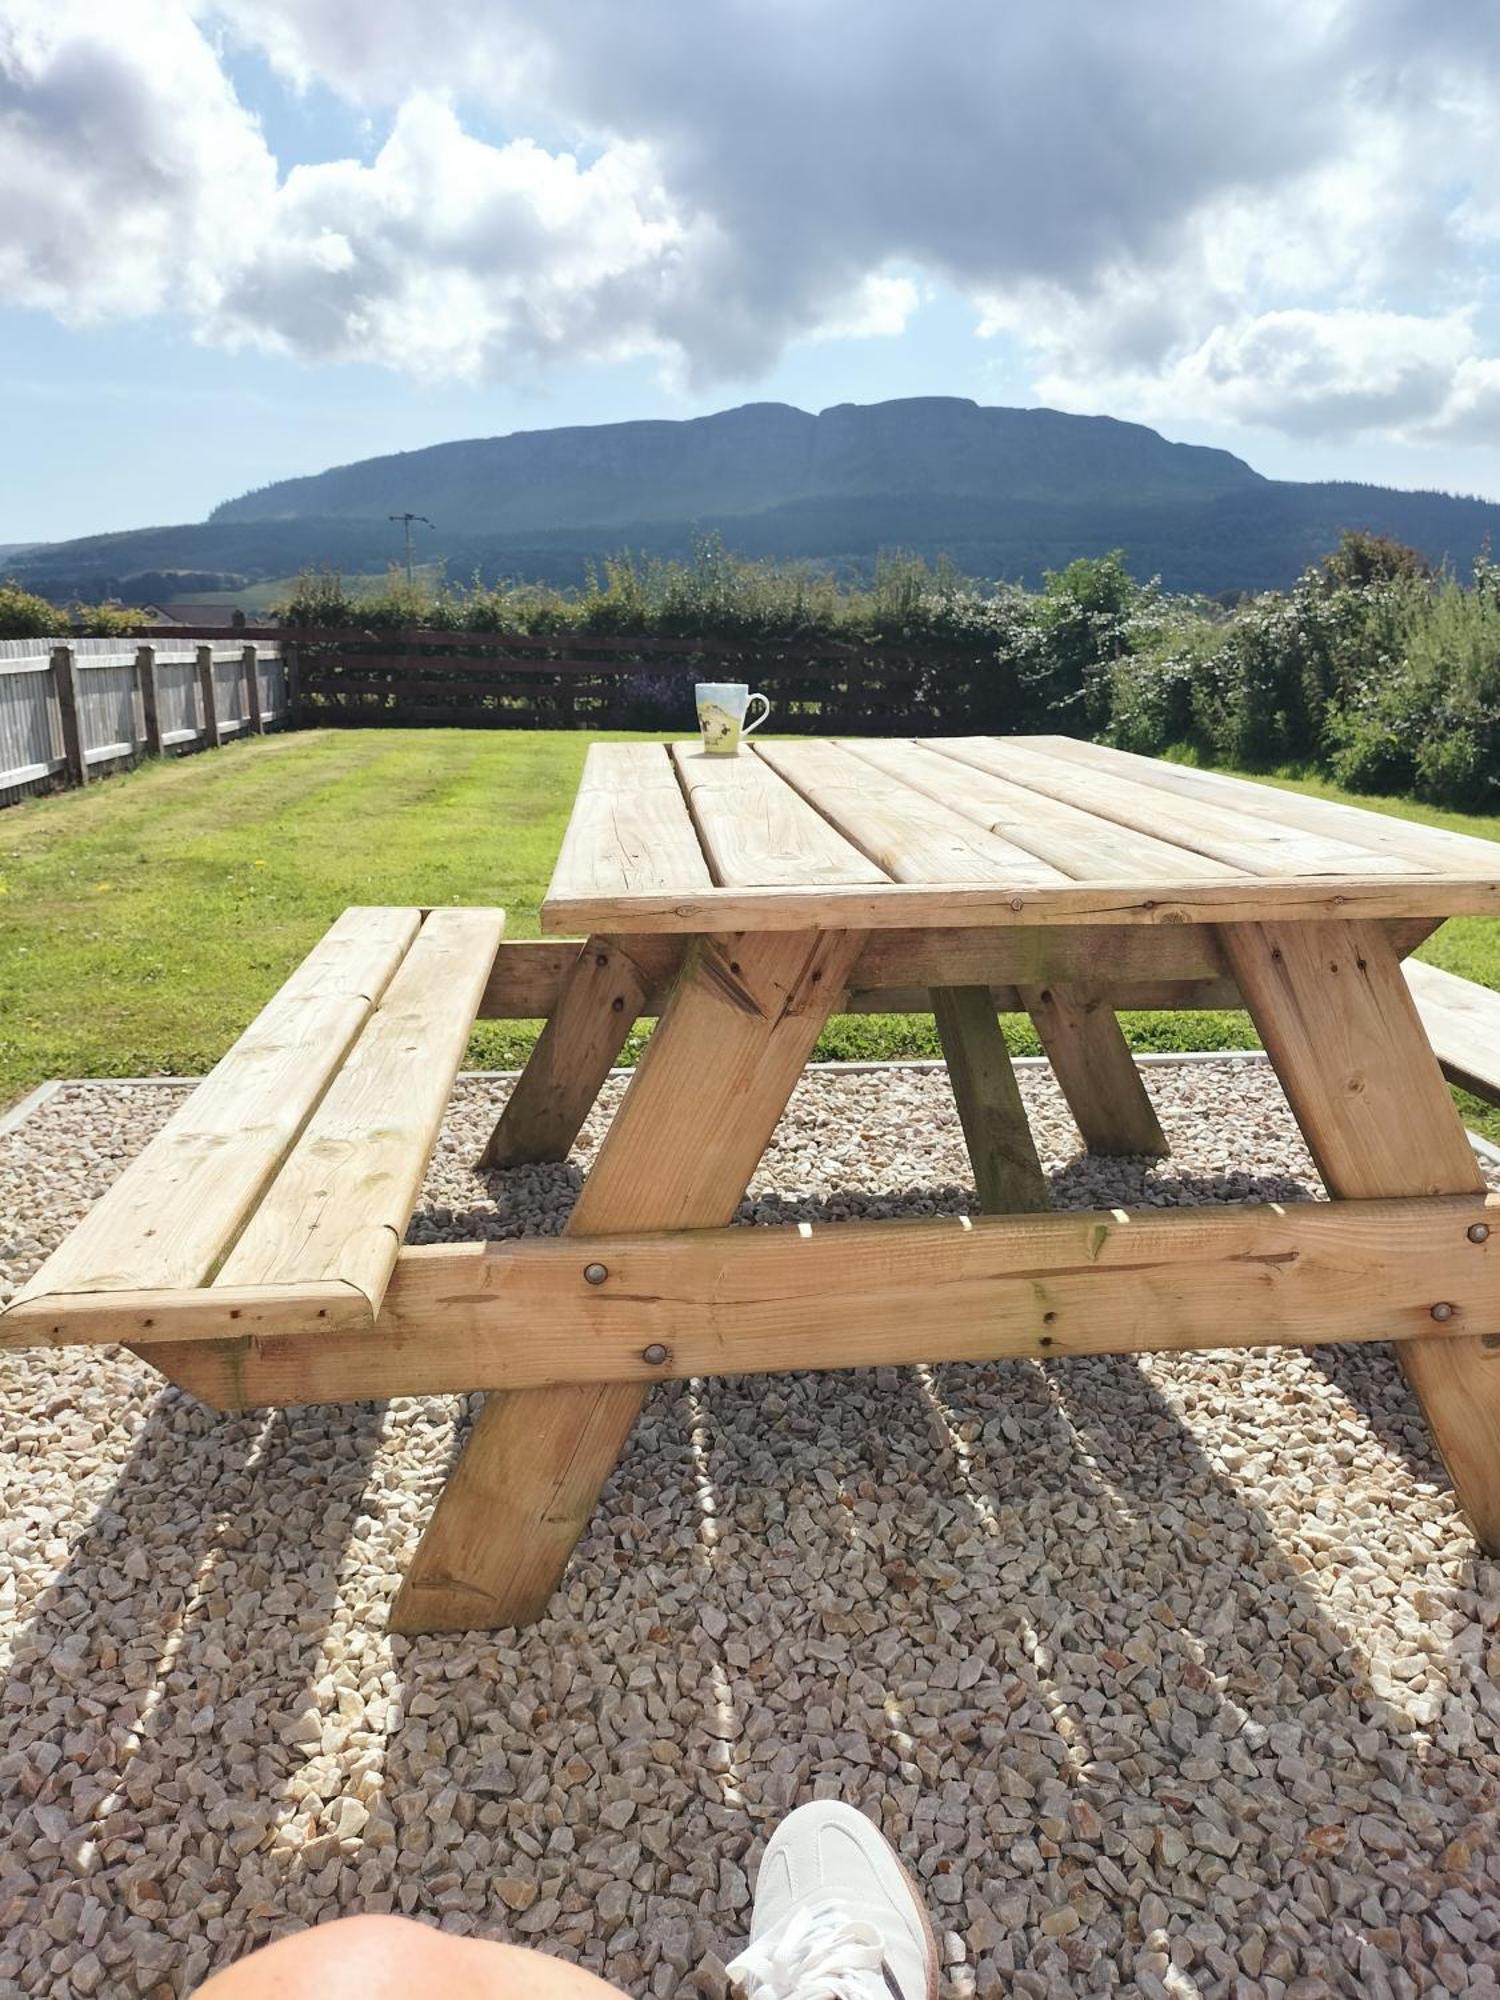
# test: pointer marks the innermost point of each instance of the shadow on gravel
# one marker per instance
(1371, 1377)
(1023, 1615)
(1017, 1613)
(167, 1667)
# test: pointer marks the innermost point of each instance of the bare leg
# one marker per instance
(393, 1958)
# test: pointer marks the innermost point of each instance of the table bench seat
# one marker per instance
(1463, 1024)
(293, 1168)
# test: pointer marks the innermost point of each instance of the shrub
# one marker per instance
(105, 621)
(1455, 769)
(1080, 631)
(1368, 755)
(1369, 668)
(24, 615)
(1362, 559)
(320, 598)
(1151, 699)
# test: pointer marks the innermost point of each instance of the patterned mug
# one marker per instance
(721, 715)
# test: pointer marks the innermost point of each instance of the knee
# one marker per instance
(351, 1958)
(367, 1941)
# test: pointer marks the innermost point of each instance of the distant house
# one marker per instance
(180, 613)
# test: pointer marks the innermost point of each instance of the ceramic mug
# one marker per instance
(721, 715)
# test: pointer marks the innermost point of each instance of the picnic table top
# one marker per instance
(978, 831)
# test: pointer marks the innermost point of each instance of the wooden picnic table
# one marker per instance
(254, 1252)
(765, 892)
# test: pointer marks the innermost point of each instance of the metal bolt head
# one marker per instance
(654, 1355)
(1442, 1310)
(595, 1274)
(1479, 1232)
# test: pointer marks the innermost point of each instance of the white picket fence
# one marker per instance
(72, 709)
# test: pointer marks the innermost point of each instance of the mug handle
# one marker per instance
(747, 727)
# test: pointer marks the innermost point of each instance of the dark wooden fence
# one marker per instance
(570, 680)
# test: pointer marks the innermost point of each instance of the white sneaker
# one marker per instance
(836, 1915)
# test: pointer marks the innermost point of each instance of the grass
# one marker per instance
(143, 921)
(272, 591)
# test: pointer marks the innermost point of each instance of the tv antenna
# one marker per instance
(406, 521)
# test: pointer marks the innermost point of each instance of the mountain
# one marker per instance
(747, 460)
(1004, 492)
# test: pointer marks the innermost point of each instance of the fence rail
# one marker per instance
(71, 710)
(575, 680)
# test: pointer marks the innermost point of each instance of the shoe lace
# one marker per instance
(820, 1953)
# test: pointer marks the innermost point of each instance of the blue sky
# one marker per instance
(251, 240)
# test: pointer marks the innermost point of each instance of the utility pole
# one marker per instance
(406, 521)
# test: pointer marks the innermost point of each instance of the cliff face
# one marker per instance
(761, 456)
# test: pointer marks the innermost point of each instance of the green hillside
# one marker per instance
(1003, 493)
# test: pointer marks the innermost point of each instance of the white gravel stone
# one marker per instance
(1171, 1675)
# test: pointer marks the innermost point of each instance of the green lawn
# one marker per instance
(143, 921)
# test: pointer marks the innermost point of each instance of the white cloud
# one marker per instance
(126, 163)
(1471, 414)
(878, 308)
(1178, 211)
(446, 256)
(1306, 373)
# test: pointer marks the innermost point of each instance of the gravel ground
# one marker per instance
(1166, 1677)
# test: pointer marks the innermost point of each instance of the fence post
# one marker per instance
(250, 665)
(211, 736)
(65, 674)
(145, 674)
(292, 675)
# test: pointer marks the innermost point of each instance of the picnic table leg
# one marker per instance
(1008, 1176)
(695, 1120)
(1095, 1070)
(1339, 1023)
(599, 1002)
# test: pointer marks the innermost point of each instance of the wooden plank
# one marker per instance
(601, 997)
(521, 1317)
(1258, 846)
(1335, 1014)
(170, 1218)
(154, 1322)
(903, 906)
(1340, 1024)
(70, 714)
(1008, 1176)
(291, 666)
(630, 833)
(1095, 1070)
(909, 835)
(1109, 956)
(757, 832)
(145, 674)
(1073, 840)
(1420, 846)
(213, 732)
(339, 1207)
(705, 1097)
(528, 973)
(630, 648)
(1462, 1021)
(250, 668)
